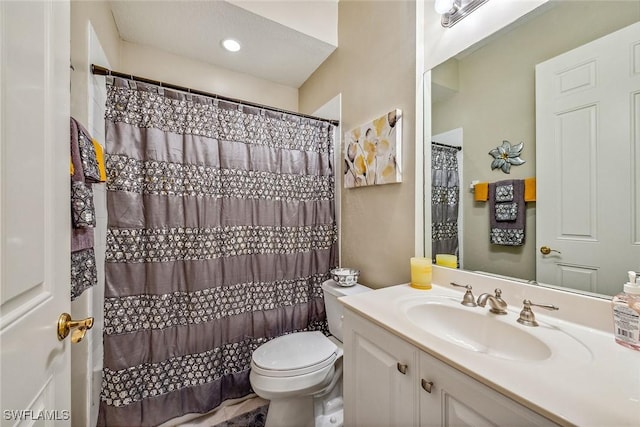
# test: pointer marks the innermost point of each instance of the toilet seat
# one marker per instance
(294, 354)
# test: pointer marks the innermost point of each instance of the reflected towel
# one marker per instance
(504, 191)
(506, 211)
(88, 155)
(76, 159)
(481, 192)
(81, 238)
(83, 213)
(503, 231)
(84, 273)
(530, 190)
(84, 158)
(100, 159)
(84, 171)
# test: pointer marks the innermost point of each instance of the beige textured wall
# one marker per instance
(316, 18)
(374, 70)
(99, 15)
(155, 64)
(496, 101)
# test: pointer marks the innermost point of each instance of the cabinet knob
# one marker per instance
(402, 368)
(426, 385)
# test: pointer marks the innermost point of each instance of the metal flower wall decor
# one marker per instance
(506, 155)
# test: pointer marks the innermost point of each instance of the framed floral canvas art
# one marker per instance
(372, 152)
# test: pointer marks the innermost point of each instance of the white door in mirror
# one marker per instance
(588, 118)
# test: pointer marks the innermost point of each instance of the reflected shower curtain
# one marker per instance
(445, 194)
(221, 230)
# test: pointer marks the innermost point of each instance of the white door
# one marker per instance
(34, 211)
(587, 160)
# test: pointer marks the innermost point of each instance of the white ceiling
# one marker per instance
(194, 29)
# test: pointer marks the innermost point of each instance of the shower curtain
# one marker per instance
(445, 194)
(221, 230)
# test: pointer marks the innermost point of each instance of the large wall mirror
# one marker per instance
(587, 151)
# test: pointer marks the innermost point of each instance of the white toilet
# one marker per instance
(301, 373)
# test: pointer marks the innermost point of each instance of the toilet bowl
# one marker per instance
(301, 373)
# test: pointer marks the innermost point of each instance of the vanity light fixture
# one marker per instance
(453, 11)
(231, 45)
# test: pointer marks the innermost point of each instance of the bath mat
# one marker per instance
(255, 418)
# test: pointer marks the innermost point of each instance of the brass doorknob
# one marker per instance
(65, 324)
(546, 250)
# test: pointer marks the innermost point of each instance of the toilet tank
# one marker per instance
(332, 291)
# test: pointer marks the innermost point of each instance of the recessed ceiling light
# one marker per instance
(231, 45)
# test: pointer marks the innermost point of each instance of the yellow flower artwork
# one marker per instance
(372, 152)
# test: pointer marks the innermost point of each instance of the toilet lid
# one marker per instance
(294, 354)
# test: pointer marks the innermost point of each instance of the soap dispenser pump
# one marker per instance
(626, 313)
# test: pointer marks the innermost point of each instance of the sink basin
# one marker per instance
(476, 329)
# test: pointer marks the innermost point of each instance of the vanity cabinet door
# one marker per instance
(379, 377)
(450, 398)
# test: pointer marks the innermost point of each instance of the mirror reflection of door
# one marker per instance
(588, 119)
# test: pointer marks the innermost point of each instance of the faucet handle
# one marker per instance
(468, 299)
(527, 317)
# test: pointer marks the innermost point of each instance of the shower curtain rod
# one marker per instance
(446, 145)
(102, 71)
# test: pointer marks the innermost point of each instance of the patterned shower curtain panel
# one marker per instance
(445, 196)
(221, 229)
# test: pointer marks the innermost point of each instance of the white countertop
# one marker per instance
(597, 385)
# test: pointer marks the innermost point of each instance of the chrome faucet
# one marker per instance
(497, 304)
(527, 317)
(468, 298)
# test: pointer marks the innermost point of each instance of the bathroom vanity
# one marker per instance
(420, 358)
